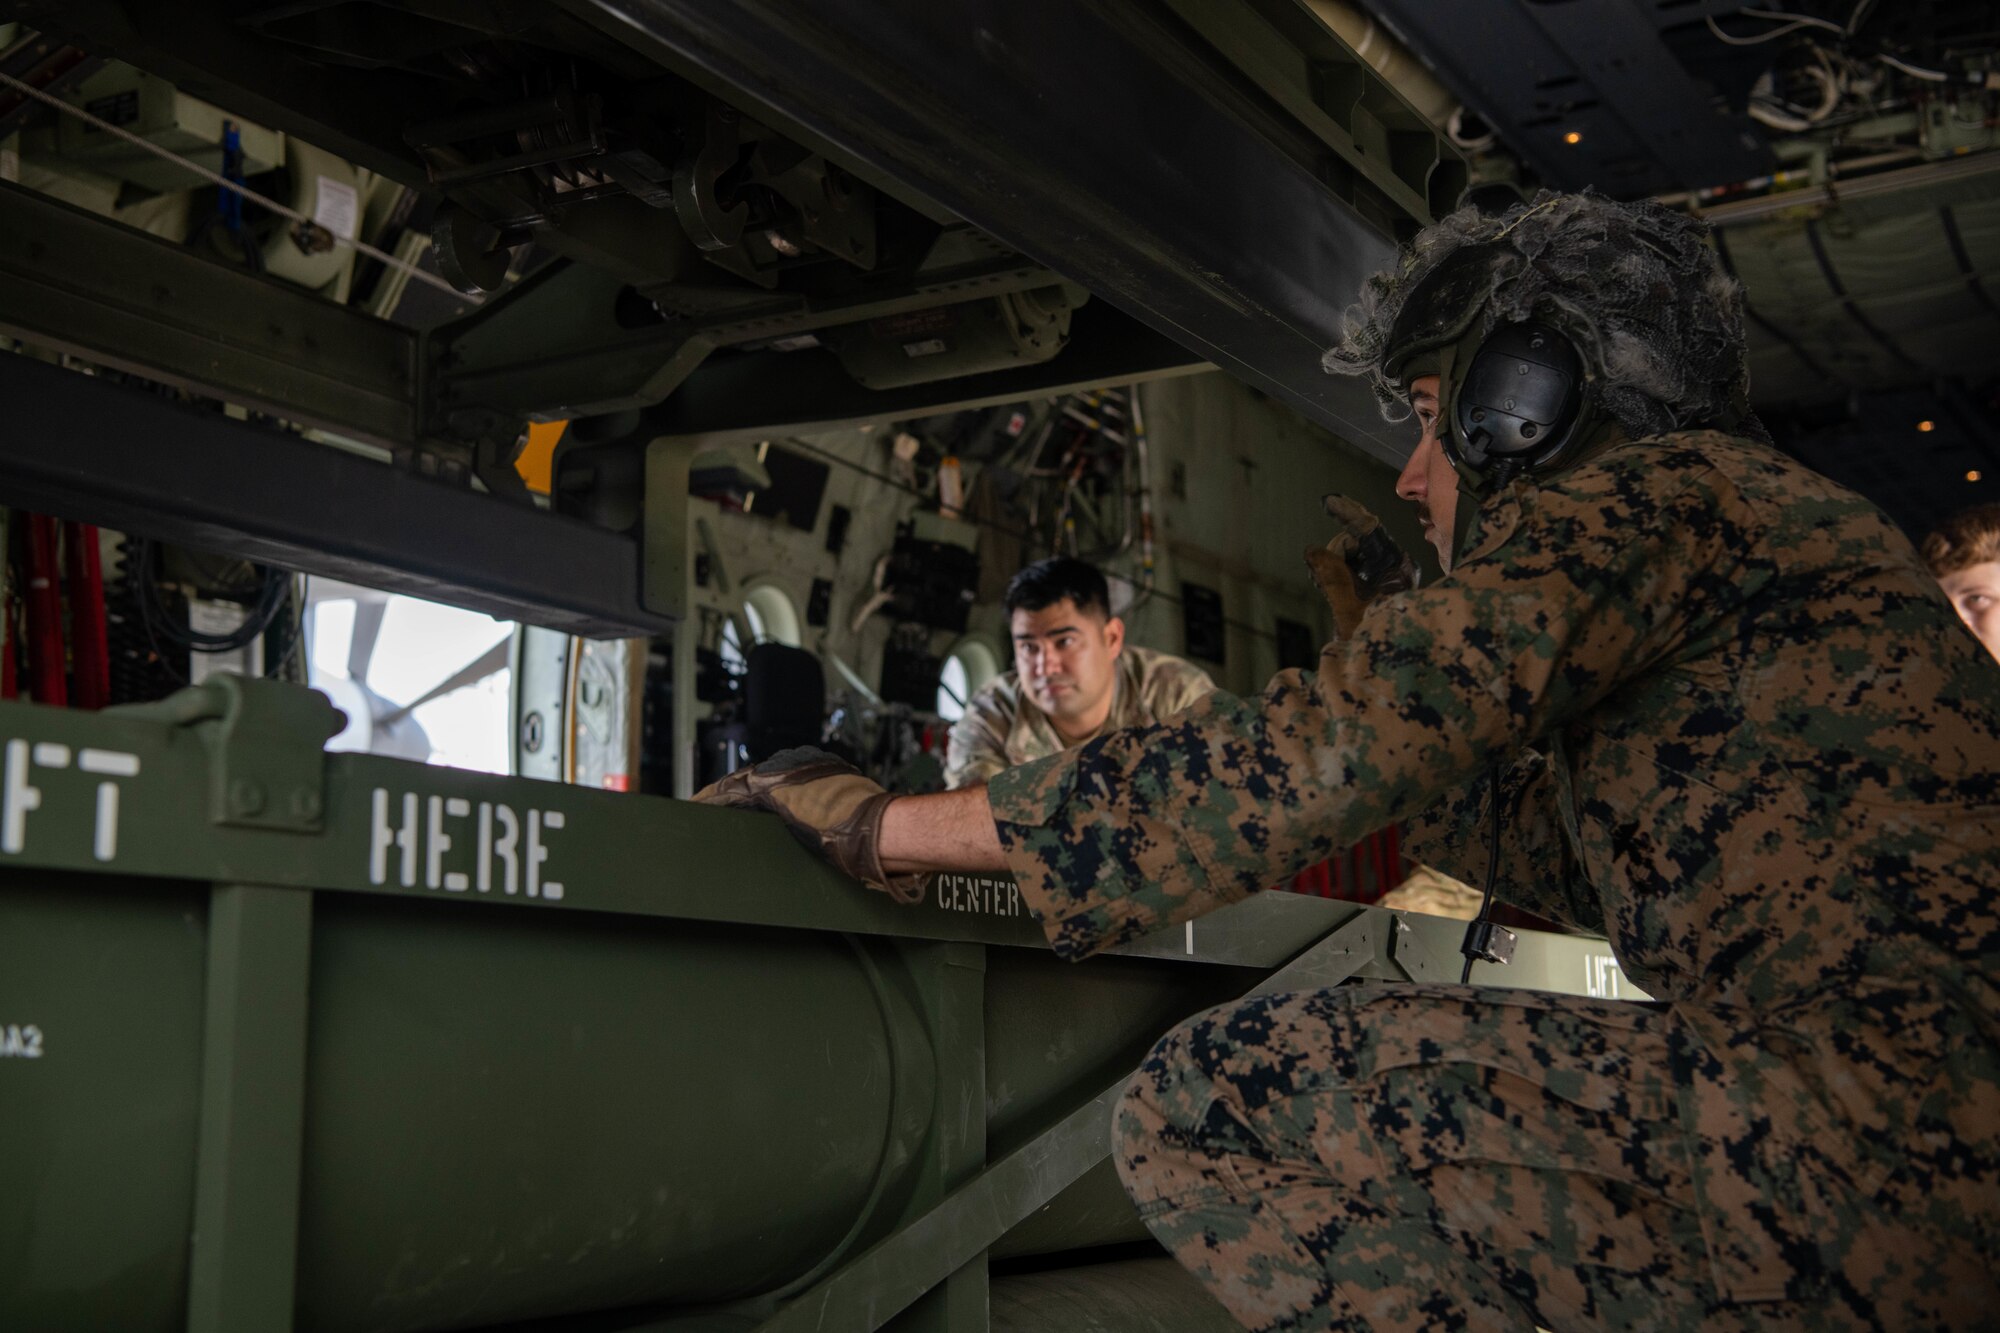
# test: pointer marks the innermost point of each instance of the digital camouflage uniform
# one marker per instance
(1002, 727)
(1766, 766)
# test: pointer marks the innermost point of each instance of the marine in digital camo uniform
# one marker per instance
(1739, 733)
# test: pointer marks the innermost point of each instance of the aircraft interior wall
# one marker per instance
(1238, 529)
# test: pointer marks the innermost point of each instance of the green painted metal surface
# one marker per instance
(96, 1206)
(246, 1206)
(1127, 1296)
(634, 1114)
(455, 1051)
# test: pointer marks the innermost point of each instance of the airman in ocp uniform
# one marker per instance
(1721, 714)
(1075, 677)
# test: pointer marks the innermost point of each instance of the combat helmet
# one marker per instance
(1554, 326)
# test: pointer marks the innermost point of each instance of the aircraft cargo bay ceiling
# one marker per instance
(672, 217)
(1842, 149)
(715, 192)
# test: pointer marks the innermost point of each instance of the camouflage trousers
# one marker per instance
(1443, 1157)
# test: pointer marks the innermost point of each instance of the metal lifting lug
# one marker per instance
(266, 743)
(1487, 943)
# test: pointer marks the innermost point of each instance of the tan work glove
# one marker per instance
(828, 805)
(1361, 563)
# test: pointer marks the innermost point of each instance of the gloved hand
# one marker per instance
(828, 805)
(1361, 563)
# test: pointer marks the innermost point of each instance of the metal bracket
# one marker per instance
(1332, 959)
(267, 754)
(873, 1288)
(1408, 950)
(266, 743)
(1488, 943)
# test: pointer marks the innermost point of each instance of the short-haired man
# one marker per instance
(1964, 556)
(1074, 677)
(1736, 736)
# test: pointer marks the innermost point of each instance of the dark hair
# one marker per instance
(1969, 537)
(1060, 578)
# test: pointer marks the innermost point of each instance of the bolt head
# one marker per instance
(305, 803)
(246, 797)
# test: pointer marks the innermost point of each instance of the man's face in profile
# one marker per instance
(1975, 594)
(1067, 661)
(1427, 480)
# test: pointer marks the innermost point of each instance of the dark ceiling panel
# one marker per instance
(1539, 72)
(1917, 475)
(1871, 298)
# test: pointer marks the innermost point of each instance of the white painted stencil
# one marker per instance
(977, 893)
(455, 845)
(1602, 977)
(20, 1041)
(21, 796)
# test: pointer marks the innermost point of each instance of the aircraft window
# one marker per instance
(770, 618)
(417, 680)
(967, 667)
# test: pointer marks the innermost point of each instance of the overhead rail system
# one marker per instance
(691, 221)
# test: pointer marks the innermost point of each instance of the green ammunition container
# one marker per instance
(343, 1043)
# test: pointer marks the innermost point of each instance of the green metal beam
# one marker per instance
(1420, 958)
(83, 447)
(1342, 953)
(75, 282)
(253, 1088)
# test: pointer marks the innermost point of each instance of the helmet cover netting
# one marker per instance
(1657, 320)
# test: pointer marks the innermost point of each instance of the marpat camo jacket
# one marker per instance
(1744, 737)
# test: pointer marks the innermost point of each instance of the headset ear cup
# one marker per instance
(1452, 358)
(1521, 399)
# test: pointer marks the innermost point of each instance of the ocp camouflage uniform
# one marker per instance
(1002, 727)
(1769, 771)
